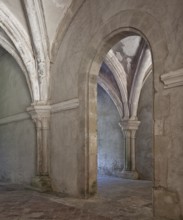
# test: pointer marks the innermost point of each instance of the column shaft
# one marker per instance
(127, 163)
(129, 128)
(41, 116)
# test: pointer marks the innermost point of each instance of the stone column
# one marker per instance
(129, 128)
(41, 117)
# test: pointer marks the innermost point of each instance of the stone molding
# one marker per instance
(173, 79)
(140, 75)
(129, 124)
(40, 115)
(14, 118)
(66, 105)
(120, 76)
(58, 107)
(40, 44)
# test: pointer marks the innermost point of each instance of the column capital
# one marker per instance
(40, 114)
(39, 110)
(129, 124)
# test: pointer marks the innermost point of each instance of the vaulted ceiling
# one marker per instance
(32, 31)
(32, 37)
(123, 73)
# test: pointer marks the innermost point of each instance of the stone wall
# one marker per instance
(95, 28)
(144, 135)
(87, 33)
(65, 154)
(17, 137)
(110, 138)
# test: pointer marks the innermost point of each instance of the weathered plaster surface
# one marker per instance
(17, 139)
(15, 96)
(54, 11)
(65, 154)
(17, 149)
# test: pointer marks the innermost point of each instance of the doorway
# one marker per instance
(125, 122)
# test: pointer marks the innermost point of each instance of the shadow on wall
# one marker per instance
(110, 140)
(17, 137)
(144, 136)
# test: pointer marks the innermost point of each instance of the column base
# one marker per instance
(133, 175)
(42, 183)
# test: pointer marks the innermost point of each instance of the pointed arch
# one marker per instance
(138, 81)
(40, 43)
(20, 48)
(112, 93)
(128, 21)
(119, 75)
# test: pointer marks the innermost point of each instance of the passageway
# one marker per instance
(125, 134)
(125, 110)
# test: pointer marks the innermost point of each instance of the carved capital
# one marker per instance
(129, 127)
(40, 115)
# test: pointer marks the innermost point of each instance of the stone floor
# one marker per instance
(117, 199)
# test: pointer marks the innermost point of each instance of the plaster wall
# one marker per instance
(168, 153)
(65, 154)
(17, 139)
(54, 11)
(161, 22)
(144, 135)
(110, 138)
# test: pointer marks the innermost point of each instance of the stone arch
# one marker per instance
(119, 75)
(6, 44)
(121, 25)
(17, 43)
(112, 94)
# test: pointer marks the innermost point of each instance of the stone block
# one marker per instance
(166, 204)
(158, 127)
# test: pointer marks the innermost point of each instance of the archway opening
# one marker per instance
(125, 121)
